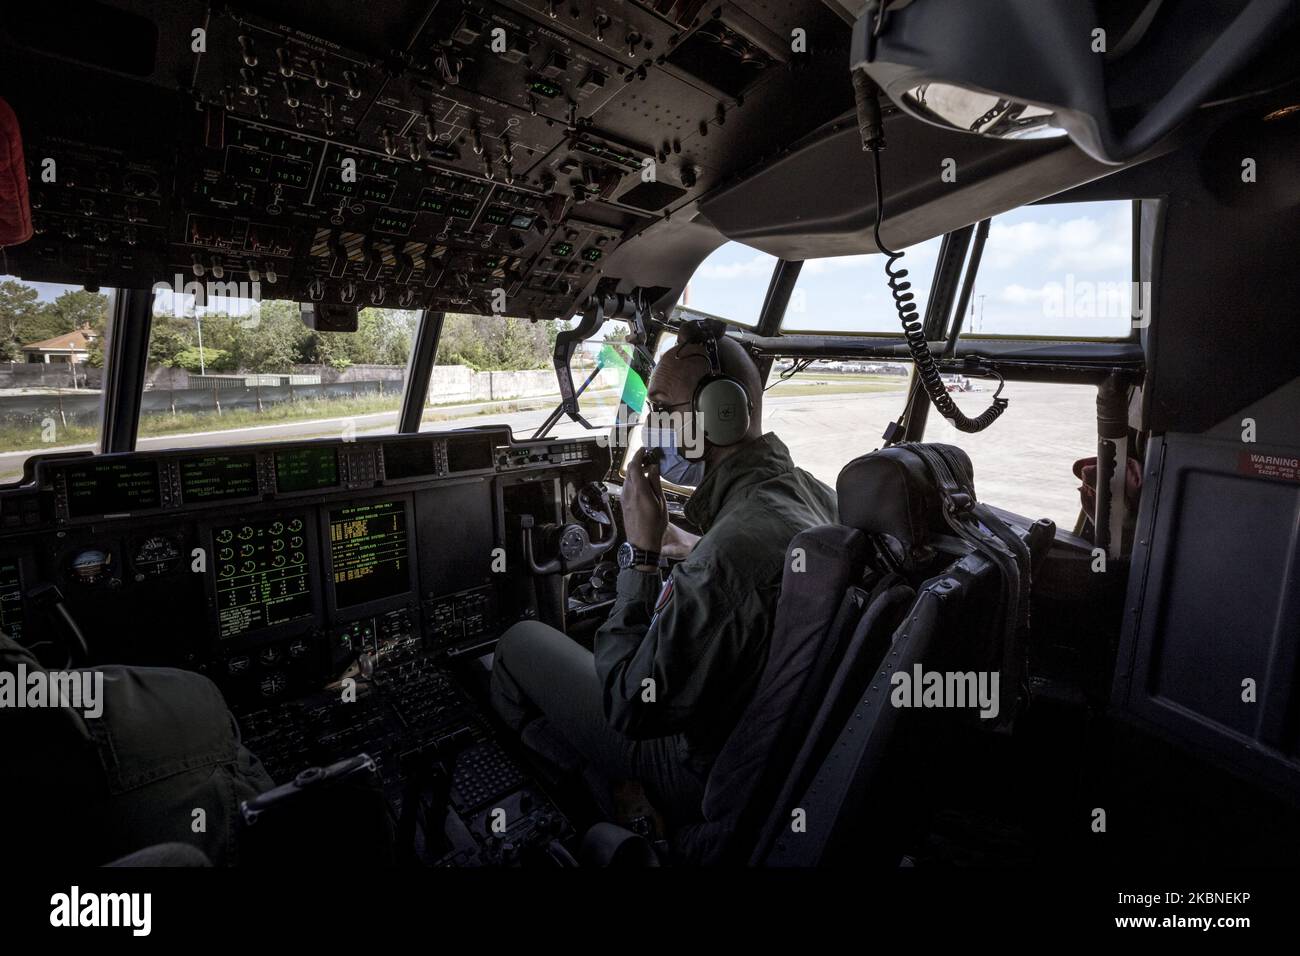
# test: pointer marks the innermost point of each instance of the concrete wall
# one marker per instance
(51, 375)
(457, 384)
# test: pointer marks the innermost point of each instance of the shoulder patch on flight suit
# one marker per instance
(665, 595)
(661, 602)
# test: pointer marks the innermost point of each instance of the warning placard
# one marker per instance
(1277, 467)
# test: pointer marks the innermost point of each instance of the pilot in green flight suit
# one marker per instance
(677, 661)
(147, 756)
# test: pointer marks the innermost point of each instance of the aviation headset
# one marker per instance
(721, 404)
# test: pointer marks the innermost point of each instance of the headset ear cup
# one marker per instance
(723, 408)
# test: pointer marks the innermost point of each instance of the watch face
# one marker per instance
(626, 554)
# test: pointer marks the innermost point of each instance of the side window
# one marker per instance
(1023, 462)
(51, 370)
(850, 295)
(502, 368)
(1063, 270)
(1050, 271)
(730, 284)
(833, 411)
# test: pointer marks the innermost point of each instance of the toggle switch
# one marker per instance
(247, 50)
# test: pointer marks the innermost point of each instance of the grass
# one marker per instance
(27, 436)
(837, 384)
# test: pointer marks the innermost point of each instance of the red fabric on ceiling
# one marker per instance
(15, 210)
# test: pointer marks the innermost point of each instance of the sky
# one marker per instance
(1056, 270)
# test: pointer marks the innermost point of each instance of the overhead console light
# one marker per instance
(1114, 76)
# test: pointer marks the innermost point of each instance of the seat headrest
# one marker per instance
(891, 496)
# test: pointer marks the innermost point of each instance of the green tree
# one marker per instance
(272, 342)
(169, 337)
(19, 306)
(213, 360)
(78, 309)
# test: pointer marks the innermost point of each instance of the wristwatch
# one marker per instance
(630, 557)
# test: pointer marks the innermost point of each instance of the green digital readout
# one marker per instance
(377, 190)
(369, 552)
(218, 477)
(545, 88)
(430, 201)
(562, 249)
(262, 573)
(306, 469)
(592, 255)
(118, 487)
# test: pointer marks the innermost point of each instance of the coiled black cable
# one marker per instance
(914, 328)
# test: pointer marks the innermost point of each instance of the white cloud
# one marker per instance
(1084, 243)
(1017, 294)
(816, 267)
(759, 265)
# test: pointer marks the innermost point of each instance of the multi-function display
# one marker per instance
(306, 469)
(112, 487)
(218, 477)
(369, 552)
(263, 574)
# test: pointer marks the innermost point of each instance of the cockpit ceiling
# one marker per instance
(431, 154)
(419, 155)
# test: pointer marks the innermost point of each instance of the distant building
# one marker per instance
(71, 348)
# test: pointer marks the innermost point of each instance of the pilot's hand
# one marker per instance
(677, 543)
(645, 511)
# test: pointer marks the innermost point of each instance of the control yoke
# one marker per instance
(569, 546)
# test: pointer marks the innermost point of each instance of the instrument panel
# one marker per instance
(275, 568)
(421, 156)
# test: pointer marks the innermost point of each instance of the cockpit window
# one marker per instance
(51, 369)
(503, 368)
(1060, 271)
(848, 295)
(227, 369)
(730, 284)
